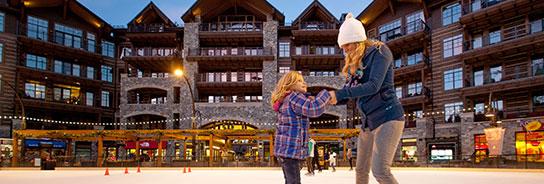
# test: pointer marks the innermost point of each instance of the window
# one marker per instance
(538, 99)
(476, 5)
(496, 74)
(284, 49)
(284, 69)
(479, 108)
(107, 48)
(399, 92)
(398, 63)
(68, 36)
(495, 37)
(35, 90)
(452, 111)
(414, 22)
(105, 100)
(498, 105)
(2, 15)
(89, 99)
(414, 89)
(37, 28)
(37, 62)
(233, 77)
(453, 46)
(91, 42)
(537, 26)
(415, 58)
(390, 30)
(106, 73)
(538, 66)
(453, 79)
(298, 51)
(76, 70)
(451, 14)
(477, 42)
(479, 78)
(90, 72)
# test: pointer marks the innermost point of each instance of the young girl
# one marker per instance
(294, 110)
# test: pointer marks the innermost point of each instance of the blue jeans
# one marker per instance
(291, 170)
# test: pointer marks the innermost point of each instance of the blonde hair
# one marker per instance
(284, 85)
(353, 59)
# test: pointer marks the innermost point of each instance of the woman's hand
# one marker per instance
(333, 100)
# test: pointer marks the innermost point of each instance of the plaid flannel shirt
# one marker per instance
(291, 139)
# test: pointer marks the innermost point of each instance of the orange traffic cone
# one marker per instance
(126, 170)
(189, 168)
(184, 169)
(107, 172)
(138, 169)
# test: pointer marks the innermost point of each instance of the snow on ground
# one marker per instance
(261, 176)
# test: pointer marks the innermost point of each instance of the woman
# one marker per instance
(369, 75)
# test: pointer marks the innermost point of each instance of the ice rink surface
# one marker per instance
(261, 176)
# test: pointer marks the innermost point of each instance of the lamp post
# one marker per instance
(23, 118)
(179, 73)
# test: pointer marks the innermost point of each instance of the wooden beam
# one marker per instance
(64, 14)
(211, 150)
(391, 8)
(100, 151)
(344, 152)
(15, 149)
(137, 149)
(271, 148)
(159, 160)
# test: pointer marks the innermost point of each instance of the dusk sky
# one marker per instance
(120, 12)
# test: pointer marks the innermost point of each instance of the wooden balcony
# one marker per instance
(60, 106)
(231, 32)
(529, 82)
(161, 62)
(241, 54)
(412, 100)
(60, 51)
(406, 38)
(514, 44)
(491, 14)
(229, 88)
(316, 32)
(29, 73)
(405, 70)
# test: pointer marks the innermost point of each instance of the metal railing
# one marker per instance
(153, 28)
(317, 50)
(227, 77)
(149, 51)
(409, 28)
(472, 7)
(236, 26)
(230, 51)
(316, 26)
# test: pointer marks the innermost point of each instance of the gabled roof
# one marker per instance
(151, 8)
(73, 5)
(376, 8)
(315, 6)
(206, 8)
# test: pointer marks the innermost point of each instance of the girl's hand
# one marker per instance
(311, 97)
(332, 100)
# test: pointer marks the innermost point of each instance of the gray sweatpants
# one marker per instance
(377, 148)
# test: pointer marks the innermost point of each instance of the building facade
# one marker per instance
(458, 62)
(455, 62)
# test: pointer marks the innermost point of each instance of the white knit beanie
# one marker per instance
(351, 31)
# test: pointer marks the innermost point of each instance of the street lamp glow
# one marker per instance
(178, 72)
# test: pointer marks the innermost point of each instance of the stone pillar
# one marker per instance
(424, 131)
(123, 97)
(270, 68)
(466, 134)
(190, 43)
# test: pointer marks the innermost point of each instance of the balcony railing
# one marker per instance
(227, 77)
(409, 28)
(148, 51)
(239, 26)
(317, 50)
(475, 6)
(231, 51)
(316, 26)
(154, 28)
(510, 33)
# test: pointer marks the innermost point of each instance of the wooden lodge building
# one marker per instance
(455, 62)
